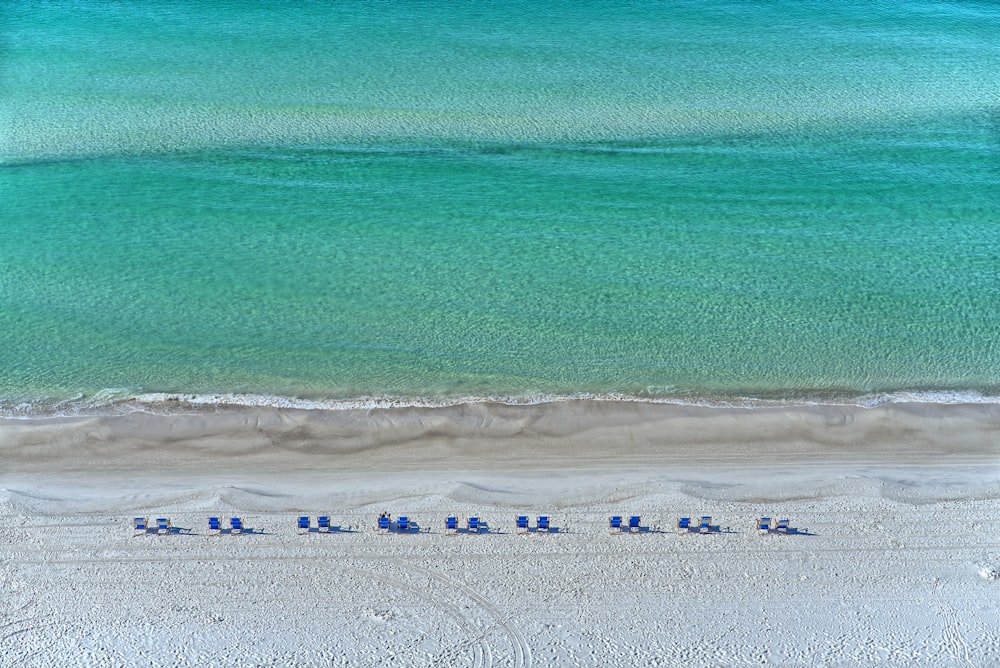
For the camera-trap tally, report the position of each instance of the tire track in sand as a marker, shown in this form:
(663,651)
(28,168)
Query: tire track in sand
(522,650)
(482,654)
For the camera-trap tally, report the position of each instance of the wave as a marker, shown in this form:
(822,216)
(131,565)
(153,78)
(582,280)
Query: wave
(124,402)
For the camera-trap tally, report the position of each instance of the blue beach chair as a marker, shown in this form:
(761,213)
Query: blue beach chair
(451,525)
(684,524)
(214,526)
(522,524)
(303,524)
(783,526)
(235,525)
(140,526)
(633,524)
(162,526)
(706,524)
(543,523)
(383,524)
(764,525)
(615,523)
(403,524)
(323,524)
(473,525)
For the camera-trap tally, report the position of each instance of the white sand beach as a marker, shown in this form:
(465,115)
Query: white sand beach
(893,558)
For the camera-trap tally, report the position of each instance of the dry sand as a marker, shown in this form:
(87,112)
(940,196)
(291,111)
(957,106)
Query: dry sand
(895,560)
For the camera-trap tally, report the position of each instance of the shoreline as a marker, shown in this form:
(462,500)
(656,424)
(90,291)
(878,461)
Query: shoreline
(121,402)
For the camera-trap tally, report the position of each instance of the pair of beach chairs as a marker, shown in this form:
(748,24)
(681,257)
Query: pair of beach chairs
(472,525)
(235,526)
(542,525)
(141,526)
(403,524)
(322,524)
(703,525)
(616,525)
(766,526)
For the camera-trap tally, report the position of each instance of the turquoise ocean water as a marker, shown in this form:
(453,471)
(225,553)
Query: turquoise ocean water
(693,201)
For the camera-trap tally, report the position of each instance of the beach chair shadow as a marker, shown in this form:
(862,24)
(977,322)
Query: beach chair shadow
(341,529)
(404,525)
(784,528)
(325,525)
(164,527)
(635,525)
(544,526)
(705,526)
(331,528)
(476,526)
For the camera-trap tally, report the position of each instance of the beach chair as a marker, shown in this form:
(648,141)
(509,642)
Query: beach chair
(522,524)
(383,524)
(235,525)
(783,526)
(323,524)
(140,526)
(162,526)
(684,524)
(473,525)
(451,525)
(214,526)
(303,524)
(764,525)
(615,524)
(543,523)
(403,524)
(705,526)
(633,524)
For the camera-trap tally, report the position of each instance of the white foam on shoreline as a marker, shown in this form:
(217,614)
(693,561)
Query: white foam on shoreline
(123,402)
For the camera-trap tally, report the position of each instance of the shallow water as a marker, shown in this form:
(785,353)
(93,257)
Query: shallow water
(781,201)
